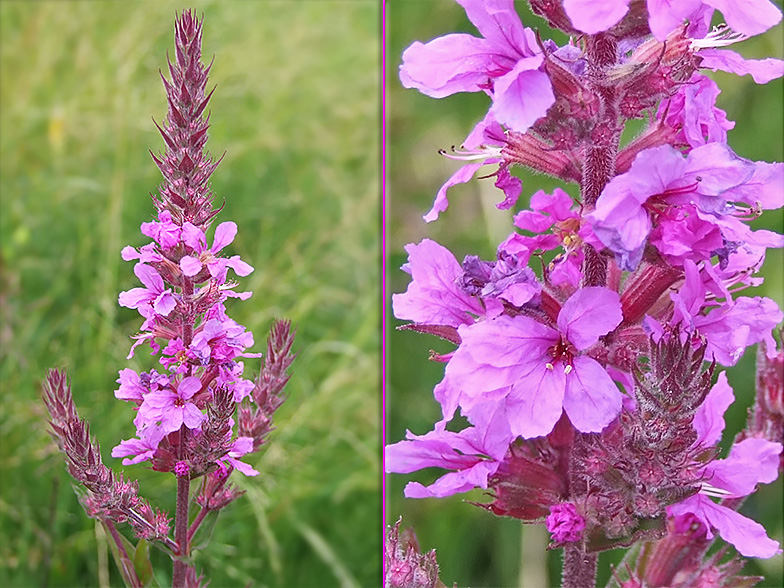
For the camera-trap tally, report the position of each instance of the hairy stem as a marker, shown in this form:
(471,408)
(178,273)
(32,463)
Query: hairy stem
(601,152)
(579,569)
(181,526)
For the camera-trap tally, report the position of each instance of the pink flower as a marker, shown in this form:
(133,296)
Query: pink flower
(505,64)
(194,238)
(472,455)
(556,223)
(483,146)
(729,327)
(662,187)
(593,17)
(142,448)
(692,109)
(536,370)
(152,299)
(434,296)
(750,462)
(750,17)
(167,409)
(241,446)
(164,231)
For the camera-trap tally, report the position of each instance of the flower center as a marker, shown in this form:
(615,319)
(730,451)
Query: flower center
(561,351)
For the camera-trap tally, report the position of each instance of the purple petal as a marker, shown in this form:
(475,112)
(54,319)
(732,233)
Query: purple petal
(750,462)
(765,188)
(594,17)
(454,482)
(523,95)
(447,65)
(190,265)
(149,277)
(193,237)
(240,267)
(164,303)
(589,314)
(134,297)
(128,253)
(592,400)
(666,15)
(224,235)
(537,402)
(709,419)
(750,17)
(513,342)
(188,387)
(192,417)
(461,176)
(499,23)
(714,169)
(762,71)
(433,296)
(242,467)
(130,386)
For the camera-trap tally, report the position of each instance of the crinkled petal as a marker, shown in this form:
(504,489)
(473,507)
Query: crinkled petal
(224,235)
(589,314)
(149,277)
(188,387)
(499,23)
(190,265)
(447,65)
(590,16)
(765,188)
(709,418)
(134,297)
(433,296)
(750,17)
(523,95)
(193,237)
(240,267)
(461,176)
(761,71)
(241,466)
(592,400)
(192,417)
(536,402)
(664,16)
(164,303)
(454,482)
(748,536)
(750,462)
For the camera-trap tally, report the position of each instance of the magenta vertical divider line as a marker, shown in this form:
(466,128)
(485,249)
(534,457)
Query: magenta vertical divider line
(383,270)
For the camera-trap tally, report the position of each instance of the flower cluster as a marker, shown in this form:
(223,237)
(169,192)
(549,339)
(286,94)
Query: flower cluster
(185,410)
(584,385)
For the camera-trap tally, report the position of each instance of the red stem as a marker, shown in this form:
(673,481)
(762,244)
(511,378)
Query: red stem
(181,527)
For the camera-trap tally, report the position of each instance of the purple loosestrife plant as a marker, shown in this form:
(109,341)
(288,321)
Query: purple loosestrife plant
(588,395)
(186,410)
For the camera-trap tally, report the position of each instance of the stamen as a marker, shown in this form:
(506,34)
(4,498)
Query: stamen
(471,154)
(720,36)
(708,490)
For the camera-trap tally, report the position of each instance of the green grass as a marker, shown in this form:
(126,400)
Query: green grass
(475,548)
(296,111)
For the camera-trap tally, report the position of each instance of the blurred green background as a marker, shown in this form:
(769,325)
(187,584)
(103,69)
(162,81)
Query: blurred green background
(297,112)
(474,547)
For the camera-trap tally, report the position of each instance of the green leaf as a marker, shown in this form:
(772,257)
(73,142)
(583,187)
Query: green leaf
(124,563)
(142,564)
(204,533)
